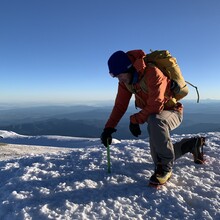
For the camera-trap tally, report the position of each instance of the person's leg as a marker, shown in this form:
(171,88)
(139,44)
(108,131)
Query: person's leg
(162,151)
(159,127)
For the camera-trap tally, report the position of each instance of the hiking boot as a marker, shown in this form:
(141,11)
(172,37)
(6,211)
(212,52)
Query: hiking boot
(160,176)
(195,146)
(197,149)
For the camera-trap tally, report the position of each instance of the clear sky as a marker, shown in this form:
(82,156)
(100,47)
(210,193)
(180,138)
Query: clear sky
(57,50)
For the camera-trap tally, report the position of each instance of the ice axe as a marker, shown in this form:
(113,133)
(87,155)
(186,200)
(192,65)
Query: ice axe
(108,157)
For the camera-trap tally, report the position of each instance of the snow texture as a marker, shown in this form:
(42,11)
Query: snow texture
(66,178)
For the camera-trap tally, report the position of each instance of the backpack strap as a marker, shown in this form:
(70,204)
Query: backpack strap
(197,91)
(143,87)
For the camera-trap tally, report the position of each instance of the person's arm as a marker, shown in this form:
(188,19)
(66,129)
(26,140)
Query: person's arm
(121,104)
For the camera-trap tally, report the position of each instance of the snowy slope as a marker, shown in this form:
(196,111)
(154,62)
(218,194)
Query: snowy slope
(66,178)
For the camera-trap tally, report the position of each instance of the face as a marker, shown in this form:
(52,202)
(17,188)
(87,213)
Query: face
(124,77)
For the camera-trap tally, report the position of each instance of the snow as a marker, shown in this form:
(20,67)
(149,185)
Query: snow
(67,178)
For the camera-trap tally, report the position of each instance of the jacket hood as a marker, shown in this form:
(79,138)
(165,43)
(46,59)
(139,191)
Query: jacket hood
(136,58)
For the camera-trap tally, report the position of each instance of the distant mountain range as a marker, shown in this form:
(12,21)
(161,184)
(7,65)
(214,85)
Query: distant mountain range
(88,121)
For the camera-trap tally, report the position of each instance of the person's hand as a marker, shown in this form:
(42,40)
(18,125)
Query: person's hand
(135,129)
(106,136)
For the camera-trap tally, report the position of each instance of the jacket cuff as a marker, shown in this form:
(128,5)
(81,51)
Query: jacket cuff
(133,119)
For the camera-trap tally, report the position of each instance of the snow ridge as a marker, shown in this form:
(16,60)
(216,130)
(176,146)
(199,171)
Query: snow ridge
(71,182)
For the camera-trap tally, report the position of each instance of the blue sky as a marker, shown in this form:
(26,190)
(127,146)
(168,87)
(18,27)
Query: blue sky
(56,51)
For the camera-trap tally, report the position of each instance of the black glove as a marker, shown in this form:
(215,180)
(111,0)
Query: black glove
(135,129)
(106,136)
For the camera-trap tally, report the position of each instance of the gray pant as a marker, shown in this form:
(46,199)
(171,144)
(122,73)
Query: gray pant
(159,127)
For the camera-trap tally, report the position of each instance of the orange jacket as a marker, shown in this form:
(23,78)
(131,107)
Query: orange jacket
(151,102)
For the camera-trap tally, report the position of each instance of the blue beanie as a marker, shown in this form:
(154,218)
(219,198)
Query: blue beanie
(118,63)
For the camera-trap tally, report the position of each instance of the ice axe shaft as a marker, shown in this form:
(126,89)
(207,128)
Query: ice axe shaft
(108,157)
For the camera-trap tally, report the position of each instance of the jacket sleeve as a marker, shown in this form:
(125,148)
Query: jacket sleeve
(156,84)
(121,104)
